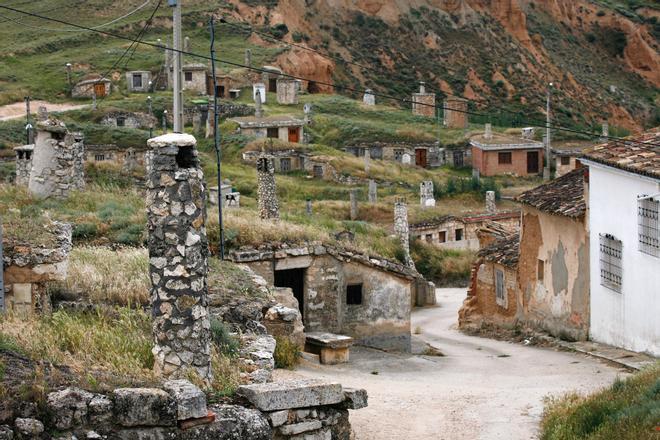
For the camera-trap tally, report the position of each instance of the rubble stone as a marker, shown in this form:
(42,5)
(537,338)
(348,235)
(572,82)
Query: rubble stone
(299,428)
(292,394)
(144,407)
(6,433)
(68,408)
(28,428)
(190,400)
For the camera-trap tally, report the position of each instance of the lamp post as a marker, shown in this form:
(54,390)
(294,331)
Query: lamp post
(548,153)
(151,124)
(68,76)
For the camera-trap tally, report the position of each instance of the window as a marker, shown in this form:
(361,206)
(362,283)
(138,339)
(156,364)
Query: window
(429,238)
(459,234)
(99,157)
(354,294)
(565,160)
(649,226)
(285,165)
(273,132)
(121,121)
(398,154)
(540,270)
(610,262)
(504,158)
(137,81)
(188,76)
(500,291)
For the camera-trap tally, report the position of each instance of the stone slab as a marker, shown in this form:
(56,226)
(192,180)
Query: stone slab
(190,400)
(292,394)
(298,428)
(144,407)
(330,340)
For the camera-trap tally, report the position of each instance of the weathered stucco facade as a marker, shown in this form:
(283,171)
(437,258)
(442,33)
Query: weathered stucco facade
(341,292)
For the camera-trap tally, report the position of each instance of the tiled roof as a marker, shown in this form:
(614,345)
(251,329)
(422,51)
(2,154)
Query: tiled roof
(504,251)
(637,158)
(562,196)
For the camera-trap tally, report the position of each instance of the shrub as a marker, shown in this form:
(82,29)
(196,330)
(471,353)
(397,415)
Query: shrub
(84,231)
(287,353)
(279,30)
(226,342)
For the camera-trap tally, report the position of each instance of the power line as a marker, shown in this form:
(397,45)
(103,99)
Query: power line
(352,89)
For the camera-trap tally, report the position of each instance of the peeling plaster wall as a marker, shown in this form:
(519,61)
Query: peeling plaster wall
(558,303)
(486,304)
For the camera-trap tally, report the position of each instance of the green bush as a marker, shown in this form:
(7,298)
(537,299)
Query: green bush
(227,343)
(84,231)
(287,353)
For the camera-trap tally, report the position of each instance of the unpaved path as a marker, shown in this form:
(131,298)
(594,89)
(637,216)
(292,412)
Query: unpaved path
(482,388)
(17,109)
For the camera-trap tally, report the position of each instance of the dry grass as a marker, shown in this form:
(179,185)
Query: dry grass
(106,276)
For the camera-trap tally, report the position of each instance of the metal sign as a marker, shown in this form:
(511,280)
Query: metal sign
(2,275)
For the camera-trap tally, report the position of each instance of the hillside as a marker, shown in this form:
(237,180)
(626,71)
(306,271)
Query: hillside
(603,55)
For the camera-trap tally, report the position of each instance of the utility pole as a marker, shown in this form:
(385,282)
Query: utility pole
(548,153)
(178,66)
(216,137)
(28,124)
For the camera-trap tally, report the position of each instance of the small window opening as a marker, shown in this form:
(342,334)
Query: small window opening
(540,270)
(121,121)
(185,158)
(99,157)
(188,76)
(459,234)
(565,160)
(354,294)
(137,80)
(273,132)
(504,158)
(429,238)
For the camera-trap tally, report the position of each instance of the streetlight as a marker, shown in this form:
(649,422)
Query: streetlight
(151,83)
(164,121)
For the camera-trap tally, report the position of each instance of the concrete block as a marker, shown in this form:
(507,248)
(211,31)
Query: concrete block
(292,394)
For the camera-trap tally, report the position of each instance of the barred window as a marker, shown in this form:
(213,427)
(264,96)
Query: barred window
(611,271)
(649,226)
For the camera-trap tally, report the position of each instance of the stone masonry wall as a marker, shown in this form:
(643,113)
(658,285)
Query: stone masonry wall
(266,191)
(178,252)
(23,165)
(402,230)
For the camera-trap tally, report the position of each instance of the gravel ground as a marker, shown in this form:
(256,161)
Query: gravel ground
(481,389)
(17,109)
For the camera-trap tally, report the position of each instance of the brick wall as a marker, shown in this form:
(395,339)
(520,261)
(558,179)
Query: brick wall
(488,164)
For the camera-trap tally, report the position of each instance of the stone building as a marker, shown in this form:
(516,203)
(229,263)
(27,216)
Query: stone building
(457,156)
(342,292)
(455,112)
(293,159)
(566,154)
(287,91)
(461,232)
(23,164)
(423,103)
(28,268)
(57,161)
(178,252)
(138,81)
(112,153)
(194,78)
(92,86)
(282,127)
(502,154)
(229,86)
(426,155)
(539,277)
(129,120)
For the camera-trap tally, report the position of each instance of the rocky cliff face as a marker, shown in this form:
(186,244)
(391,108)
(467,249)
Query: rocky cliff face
(605,62)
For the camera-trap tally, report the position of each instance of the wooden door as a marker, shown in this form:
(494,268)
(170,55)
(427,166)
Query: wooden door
(420,157)
(294,135)
(532,162)
(99,89)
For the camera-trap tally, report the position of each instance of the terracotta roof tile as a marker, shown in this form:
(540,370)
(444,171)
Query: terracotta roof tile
(562,196)
(504,251)
(637,158)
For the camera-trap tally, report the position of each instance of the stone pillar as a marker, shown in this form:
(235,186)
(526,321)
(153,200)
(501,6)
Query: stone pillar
(354,204)
(426,197)
(367,157)
(605,132)
(488,131)
(373,191)
(402,231)
(268,204)
(369,98)
(491,208)
(308,207)
(57,161)
(248,57)
(258,112)
(178,252)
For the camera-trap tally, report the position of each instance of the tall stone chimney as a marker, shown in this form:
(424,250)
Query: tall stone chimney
(402,231)
(605,133)
(248,57)
(422,87)
(491,207)
(354,204)
(258,111)
(488,131)
(426,196)
(367,159)
(269,207)
(373,191)
(369,98)
(178,253)
(308,207)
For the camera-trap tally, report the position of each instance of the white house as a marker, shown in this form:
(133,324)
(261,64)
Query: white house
(624,228)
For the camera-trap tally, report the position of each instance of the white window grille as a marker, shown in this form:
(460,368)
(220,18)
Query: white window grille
(99,157)
(648,211)
(611,269)
(500,290)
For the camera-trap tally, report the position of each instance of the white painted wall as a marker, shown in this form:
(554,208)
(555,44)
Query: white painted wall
(630,319)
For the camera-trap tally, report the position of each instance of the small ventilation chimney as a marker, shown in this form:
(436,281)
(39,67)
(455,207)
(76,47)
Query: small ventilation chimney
(488,132)
(422,87)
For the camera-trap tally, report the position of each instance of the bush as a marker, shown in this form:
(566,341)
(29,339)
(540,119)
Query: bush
(287,353)
(226,342)
(445,267)
(83,231)
(279,30)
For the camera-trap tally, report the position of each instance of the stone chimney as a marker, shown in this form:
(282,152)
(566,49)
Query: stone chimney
(367,159)
(248,57)
(488,131)
(605,133)
(402,231)
(354,203)
(268,204)
(42,113)
(426,196)
(369,98)
(23,164)
(57,160)
(491,207)
(186,44)
(422,87)
(373,191)
(258,111)
(178,253)
(308,207)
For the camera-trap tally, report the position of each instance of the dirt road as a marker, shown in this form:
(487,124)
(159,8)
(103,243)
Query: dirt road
(482,388)
(17,109)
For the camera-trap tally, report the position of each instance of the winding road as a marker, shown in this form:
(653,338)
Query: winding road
(481,389)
